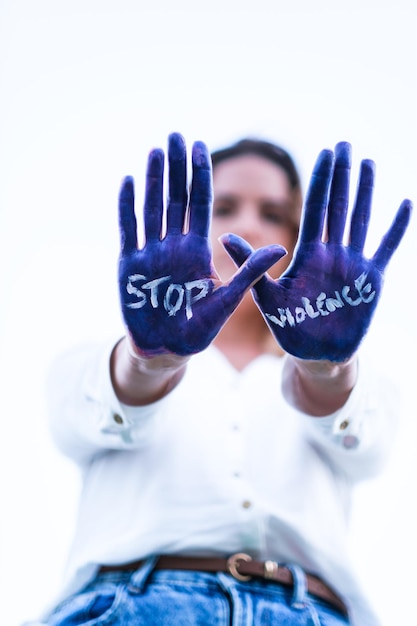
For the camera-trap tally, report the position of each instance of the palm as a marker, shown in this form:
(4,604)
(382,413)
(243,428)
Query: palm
(321,307)
(171,296)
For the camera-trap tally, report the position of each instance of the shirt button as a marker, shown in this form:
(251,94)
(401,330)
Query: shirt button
(344,425)
(246,504)
(118,418)
(350,442)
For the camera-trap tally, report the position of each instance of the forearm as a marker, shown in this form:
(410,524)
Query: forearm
(140,380)
(318,388)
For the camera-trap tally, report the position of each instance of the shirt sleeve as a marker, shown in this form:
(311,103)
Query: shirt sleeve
(85,416)
(358,438)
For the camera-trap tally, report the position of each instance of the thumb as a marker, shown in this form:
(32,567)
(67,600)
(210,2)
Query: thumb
(240,250)
(237,248)
(253,264)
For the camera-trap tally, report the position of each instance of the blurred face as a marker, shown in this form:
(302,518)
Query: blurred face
(253,199)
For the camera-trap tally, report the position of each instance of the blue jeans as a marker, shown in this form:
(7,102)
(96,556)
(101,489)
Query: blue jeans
(182,598)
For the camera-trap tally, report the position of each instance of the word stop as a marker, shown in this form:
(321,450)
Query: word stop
(171,296)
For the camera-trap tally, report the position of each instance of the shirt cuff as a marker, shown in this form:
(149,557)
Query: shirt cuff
(346,426)
(122,425)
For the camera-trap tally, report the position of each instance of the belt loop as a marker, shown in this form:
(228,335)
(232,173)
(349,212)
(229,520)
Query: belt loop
(299,596)
(140,576)
(300,599)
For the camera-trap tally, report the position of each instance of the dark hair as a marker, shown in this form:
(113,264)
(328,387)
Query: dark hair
(265,149)
(271,152)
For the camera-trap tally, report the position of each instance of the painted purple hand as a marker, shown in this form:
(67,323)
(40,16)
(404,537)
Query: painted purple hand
(322,306)
(171,296)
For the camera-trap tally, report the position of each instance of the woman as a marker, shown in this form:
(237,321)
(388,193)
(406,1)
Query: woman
(218,457)
(257,196)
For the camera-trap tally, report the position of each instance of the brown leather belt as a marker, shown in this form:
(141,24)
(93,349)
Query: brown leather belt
(242,567)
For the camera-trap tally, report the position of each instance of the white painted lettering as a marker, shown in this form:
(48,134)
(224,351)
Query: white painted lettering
(320,303)
(131,289)
(349,300)
(203,286)
(324,304)
(308,308)
(172,307)
(153,286)
(334,303)
(173,298)
(364,289)
(300,314)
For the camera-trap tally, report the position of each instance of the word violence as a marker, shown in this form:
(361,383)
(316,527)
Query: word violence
(324,305)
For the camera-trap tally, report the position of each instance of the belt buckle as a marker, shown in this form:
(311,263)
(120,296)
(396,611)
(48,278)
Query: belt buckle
(233,562)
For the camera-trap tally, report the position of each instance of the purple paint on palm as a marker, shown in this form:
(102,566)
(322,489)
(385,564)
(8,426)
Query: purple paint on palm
(171,296)
(321,307)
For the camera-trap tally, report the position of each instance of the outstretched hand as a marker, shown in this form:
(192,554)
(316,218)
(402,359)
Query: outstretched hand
(321,307)
(172,299)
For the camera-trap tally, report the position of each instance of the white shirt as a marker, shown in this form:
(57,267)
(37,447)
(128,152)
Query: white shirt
(221,465)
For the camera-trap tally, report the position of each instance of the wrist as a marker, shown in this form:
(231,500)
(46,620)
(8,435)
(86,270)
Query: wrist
(344,371)
(319,388)
(140,379)
(148,362)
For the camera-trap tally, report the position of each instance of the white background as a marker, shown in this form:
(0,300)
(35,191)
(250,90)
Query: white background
(87,88)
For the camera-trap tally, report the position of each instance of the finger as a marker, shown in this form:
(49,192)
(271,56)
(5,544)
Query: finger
(177,183)
(316,198)
(237,248)
(252,270)
(362,209)
(339,193)
(154,201)
(393,236)
(127,218)
(201,190)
